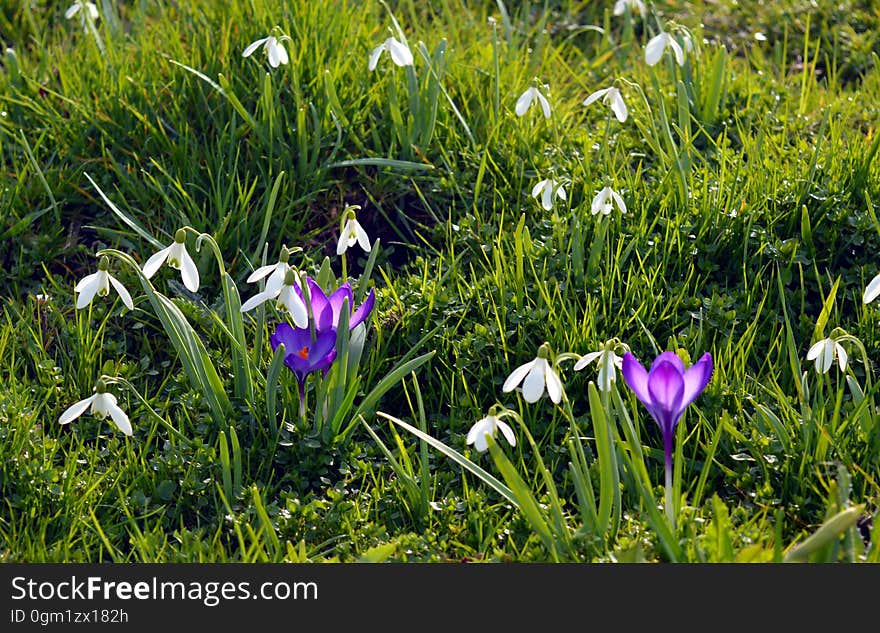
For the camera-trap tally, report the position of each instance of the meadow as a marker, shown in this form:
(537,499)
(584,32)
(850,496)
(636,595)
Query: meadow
(483,281)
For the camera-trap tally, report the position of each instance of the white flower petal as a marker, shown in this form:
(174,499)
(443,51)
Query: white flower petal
(827,356)
(253,46)
(620,203)
(525,101)
(342,244)
(517,376)
(618,106)
(478,432)
(533,385)
(282,53)
(152,265)
(72,10)
(506,431)
(85,281)
(545,105)
(676,49)
(536,190)
(655,47)
(188,271)
(815,349)
(841,356)
(88,288)
(93,10)
(295,306)
(872,290)
(126,298)
(256,300)
(547,197)
(272,50)
(363,239)
(596,95)
(586,359)
(554,384)
(261,272)
(374,56)
(74,411)
(120,419)
(400,53)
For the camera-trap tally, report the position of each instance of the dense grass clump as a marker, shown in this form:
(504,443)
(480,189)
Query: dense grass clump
(744,160)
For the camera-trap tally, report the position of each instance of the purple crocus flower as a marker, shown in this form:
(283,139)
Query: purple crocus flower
(326,310)
(302,353)
(666,391)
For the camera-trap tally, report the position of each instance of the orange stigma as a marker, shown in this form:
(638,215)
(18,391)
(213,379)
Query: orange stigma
(303,353)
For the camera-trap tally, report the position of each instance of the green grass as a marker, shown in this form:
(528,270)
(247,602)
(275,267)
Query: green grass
(750,179)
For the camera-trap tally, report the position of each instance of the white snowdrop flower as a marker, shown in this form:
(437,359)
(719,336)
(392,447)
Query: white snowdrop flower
(526,100)
(399,52)
(658,43)
(102,404)
(99,284)
(274,49)
(612,98)
(634,5)
(178,258)
(489,425)
(352,232)
(607,360)
(546,190)
(535,376)
(604,200)
(287,297)
(824,352)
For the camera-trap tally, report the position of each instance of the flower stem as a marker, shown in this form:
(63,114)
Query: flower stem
(670,509)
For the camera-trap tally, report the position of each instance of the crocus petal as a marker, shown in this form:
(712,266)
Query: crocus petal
(286,335)
(533,385)
(654,49)
(524,101)
(696,377)
(636,376)
(74,411)
(669,357)
(586,359)
(506,431)
(188,271)
(596,95)
(872,290)
(545,105)
(618,106)
(374,56)
(253,46)
(152,265)
(517,376)
(400,53)
(554,385)
(123,293)
(363,311)
(336,300)
(666,386)
(322,311)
